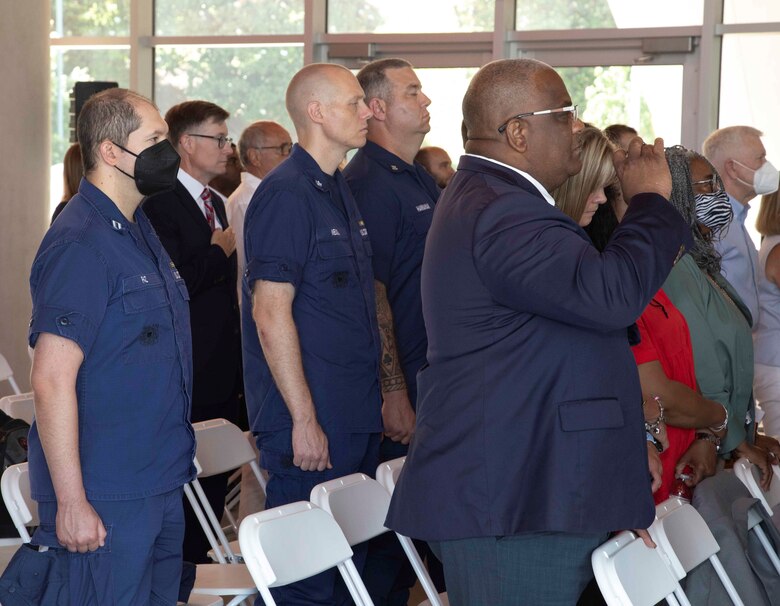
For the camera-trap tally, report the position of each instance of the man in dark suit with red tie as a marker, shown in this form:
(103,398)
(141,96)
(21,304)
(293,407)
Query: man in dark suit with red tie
(193,227)
(530,444)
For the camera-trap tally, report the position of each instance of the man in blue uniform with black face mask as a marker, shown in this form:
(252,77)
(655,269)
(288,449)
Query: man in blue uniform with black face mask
(112,445)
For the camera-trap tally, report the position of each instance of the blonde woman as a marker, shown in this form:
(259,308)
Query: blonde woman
(581,195)
(766,382)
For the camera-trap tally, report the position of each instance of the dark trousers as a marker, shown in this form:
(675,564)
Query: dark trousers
(349,453)
(140,563)
(543,569)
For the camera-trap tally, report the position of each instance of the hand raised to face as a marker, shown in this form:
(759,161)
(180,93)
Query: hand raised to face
(642,169)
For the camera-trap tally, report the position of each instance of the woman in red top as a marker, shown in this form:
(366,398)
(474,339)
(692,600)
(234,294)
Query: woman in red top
(674,408)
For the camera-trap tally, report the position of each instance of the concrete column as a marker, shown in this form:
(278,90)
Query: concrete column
(24,169)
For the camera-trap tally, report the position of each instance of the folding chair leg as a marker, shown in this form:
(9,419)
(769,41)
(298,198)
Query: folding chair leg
(768,547)
(672,601)
(265,593)
(681,597)
(419,569)
(360,596)
(724,578)
(204,524)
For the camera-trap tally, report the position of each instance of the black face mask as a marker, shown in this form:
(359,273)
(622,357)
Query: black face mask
(156,168)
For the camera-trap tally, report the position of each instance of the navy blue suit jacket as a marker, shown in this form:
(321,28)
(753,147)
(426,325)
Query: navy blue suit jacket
(529,414)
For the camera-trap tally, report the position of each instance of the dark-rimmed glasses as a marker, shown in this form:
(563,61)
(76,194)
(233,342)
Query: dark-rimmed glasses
(572,109)
(221,140)
(284,149)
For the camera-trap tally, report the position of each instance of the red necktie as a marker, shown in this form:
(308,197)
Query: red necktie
(206,197)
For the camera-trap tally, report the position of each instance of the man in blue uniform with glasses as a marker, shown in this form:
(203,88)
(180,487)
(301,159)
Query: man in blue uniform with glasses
(112,445)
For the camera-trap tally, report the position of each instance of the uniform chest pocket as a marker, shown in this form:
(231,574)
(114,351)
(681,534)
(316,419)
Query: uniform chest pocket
(336,273)
(143,293)
(147,327)
(422,222)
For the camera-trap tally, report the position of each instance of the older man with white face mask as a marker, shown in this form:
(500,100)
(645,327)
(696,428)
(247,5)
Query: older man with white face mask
(738,155)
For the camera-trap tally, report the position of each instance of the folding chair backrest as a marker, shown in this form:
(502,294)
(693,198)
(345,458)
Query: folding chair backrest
(15,488)
(221,447)
(20,406)
(629,573)
(358,503)
(683,535)
(6,374)
(290,543)
(387,473)
(750,476)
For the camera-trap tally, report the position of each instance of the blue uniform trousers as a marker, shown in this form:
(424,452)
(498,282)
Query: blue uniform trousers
(539,568)
(140,563)
(349,453)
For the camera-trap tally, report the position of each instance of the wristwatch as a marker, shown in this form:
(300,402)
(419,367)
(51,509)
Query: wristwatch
(701,435)
(651,438)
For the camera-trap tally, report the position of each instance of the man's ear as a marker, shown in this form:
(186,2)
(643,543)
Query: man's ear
(378,107)
(516,134)
(109,152)
(315,113)
(730,169)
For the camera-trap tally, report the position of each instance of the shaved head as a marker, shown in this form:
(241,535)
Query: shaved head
(315,82)
(498,91)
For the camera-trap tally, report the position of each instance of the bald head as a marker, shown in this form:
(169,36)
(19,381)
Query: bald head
(318,82)
(725,143)
(498,91)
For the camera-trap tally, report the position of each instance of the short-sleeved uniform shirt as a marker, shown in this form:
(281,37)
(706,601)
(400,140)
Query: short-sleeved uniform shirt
(303,227)
(665,338)
(396,200)
(108,285)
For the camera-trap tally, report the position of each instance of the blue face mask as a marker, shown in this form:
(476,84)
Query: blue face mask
(714,210)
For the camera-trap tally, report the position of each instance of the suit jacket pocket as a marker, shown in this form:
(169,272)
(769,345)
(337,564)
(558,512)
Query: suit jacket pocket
(596,413)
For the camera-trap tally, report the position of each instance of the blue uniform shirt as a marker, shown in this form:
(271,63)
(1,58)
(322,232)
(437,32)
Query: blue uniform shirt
(396,200)
(303,227)
(110,286)
(739,258)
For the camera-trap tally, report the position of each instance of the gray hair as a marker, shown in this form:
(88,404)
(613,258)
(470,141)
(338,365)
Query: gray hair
(720,144)
(682,198)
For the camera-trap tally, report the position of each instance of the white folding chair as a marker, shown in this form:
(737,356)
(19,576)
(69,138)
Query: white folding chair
(631,574)
(20,406)
(15,488)
(243,496)
(750,475)
(687,541)
(221,447)
(294,542)
(359,505)
(6,374)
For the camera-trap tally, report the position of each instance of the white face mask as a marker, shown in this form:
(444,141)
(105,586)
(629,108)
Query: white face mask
(765,178)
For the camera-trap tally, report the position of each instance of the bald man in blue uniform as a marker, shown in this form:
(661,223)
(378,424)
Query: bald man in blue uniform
(529,413)
(311,343)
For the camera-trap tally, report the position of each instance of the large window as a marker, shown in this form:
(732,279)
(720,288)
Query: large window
(249,82)
(648,64)
(584,14)
(647,97)
(227,17)
(410,16)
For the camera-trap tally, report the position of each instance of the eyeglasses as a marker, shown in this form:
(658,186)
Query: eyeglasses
(284,149)
(713,183)
(572,109)
(221,139)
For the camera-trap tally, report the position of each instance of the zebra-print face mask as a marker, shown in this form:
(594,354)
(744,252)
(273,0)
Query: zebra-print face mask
(714,210)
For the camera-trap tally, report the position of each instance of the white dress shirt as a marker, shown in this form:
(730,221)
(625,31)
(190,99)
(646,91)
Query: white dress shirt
(195,189)
(236,211)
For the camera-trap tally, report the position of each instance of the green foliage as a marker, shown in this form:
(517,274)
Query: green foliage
(563,14)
